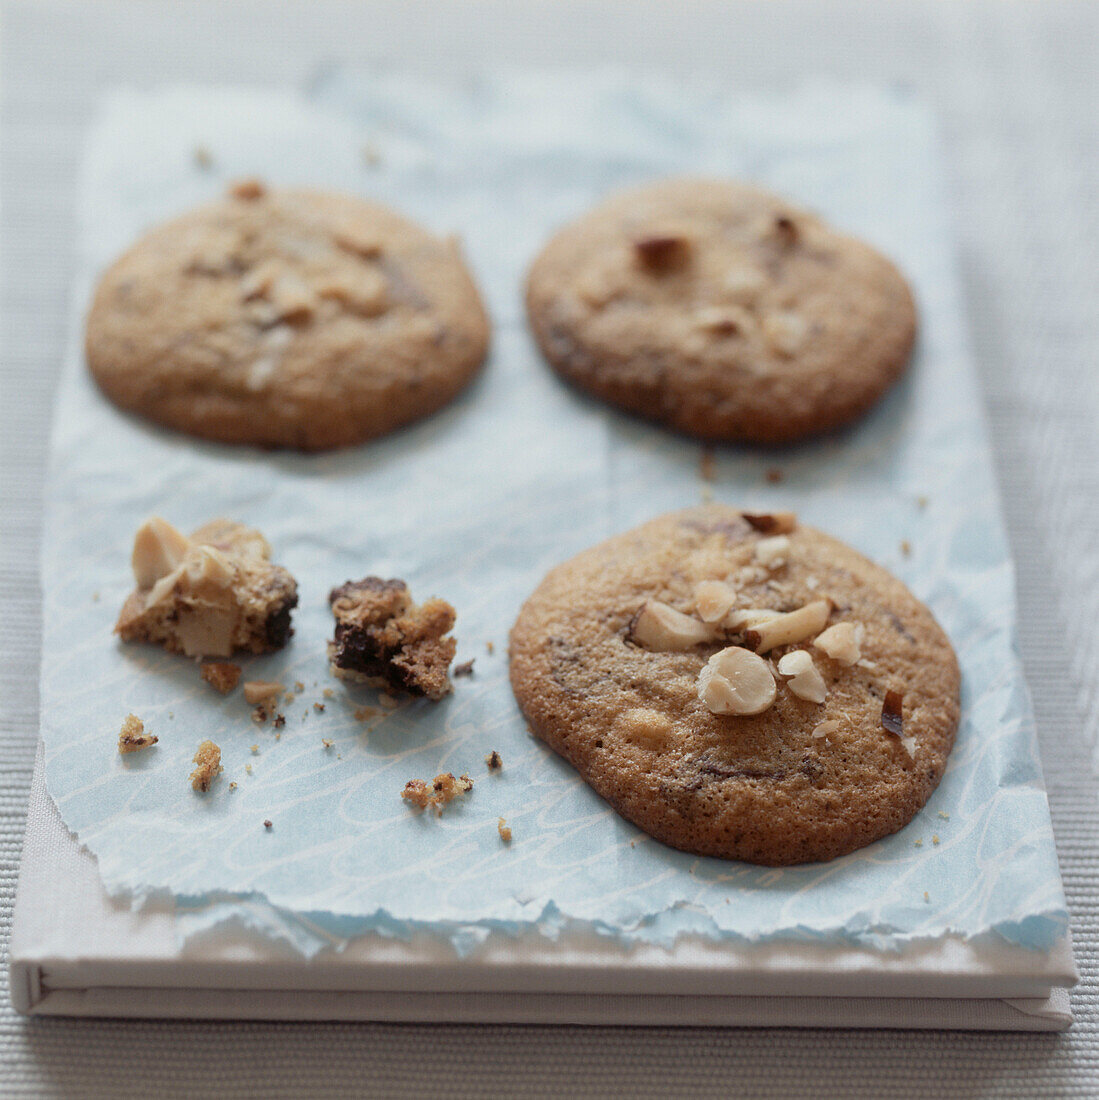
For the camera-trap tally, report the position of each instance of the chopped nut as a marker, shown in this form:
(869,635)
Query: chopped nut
(659,627)
(713,600)
(662,252)
(494,762)
(823,729)
(327,743)
(645,725)
(158,550)
(892,720)
(222,676)
(841,643)
(208,759)
(259,691)
(773,552)
(789,628)
(503,830)
(464,669)
(248,190)
(736,681)
(748,618)
(772,523)
(909,744)
(132,736)
(805,681)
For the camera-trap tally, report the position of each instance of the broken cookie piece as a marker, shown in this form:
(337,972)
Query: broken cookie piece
(443,788)
(133,737)
(208,595)
(222,676)
(208,759)
(389,641)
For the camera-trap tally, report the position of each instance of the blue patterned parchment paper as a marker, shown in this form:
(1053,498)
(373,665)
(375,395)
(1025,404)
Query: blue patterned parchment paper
(476,503)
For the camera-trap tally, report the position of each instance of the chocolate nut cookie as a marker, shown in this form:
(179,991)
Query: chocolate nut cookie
(722,311)
(208,595)
(740,686)
(286,319)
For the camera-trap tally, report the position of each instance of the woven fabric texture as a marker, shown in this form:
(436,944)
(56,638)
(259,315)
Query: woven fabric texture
(1014,87)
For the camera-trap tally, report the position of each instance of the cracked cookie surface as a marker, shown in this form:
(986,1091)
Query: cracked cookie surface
(286,318)
(722,311)
(802,780)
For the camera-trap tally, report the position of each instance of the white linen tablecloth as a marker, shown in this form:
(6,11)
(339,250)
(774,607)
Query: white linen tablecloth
(1014,85)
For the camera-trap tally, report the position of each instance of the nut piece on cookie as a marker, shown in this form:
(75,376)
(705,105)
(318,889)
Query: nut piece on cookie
(772,523)
(659,627)
(736,681)
(713,599)
(805,681)
(386,639)
(133,737)
(789,628)
(260,691)
(841,643)
(773,552)
(208,759)
(222,676)
(208,595)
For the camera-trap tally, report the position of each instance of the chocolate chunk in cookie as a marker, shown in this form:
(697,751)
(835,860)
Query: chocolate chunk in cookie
(385,638)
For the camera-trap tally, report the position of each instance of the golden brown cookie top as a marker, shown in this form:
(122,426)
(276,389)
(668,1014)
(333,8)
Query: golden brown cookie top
(286,318)
(639,662)
(721,310)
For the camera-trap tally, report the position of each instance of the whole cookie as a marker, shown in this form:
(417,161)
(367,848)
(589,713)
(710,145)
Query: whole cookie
(722,311)
(740,686)
(287,319)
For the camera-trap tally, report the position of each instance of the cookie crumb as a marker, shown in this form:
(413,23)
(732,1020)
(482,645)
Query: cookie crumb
(328,693)
(95,597)
(267,823)
(261,691)
(494,761)
(327,742)
(280,721)
(945,817)
(773,475)
(249,190)
(464,669)
(935,839)
(922,501)
(364,713)
(233,786)
(259,715)
(202,157)
(372,156)
(503,829)
(289,698)
(133,737)
(208,759)
(222,676)
(318,707)
(906,548)
(926,896)
(707,464)
(443,789)
(248,768)
(919,843)
(299,687)
(255,750)
(490,649)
